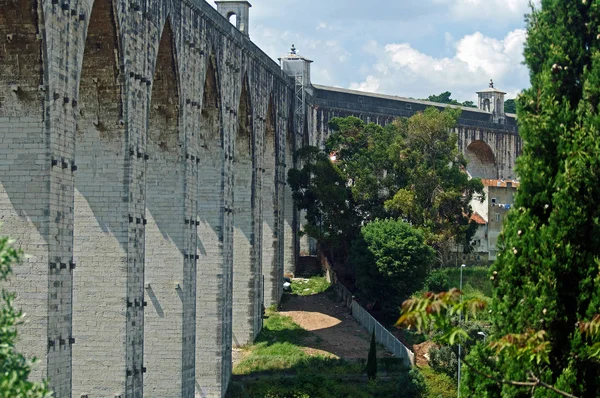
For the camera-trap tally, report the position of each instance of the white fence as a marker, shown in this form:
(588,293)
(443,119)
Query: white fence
(362,316)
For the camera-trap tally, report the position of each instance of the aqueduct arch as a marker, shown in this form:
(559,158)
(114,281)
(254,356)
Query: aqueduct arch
(481,160)
(100,239)
(247,283)
(271,264)
(168,309)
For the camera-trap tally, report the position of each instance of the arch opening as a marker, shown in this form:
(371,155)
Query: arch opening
(212,345)
(271,264)
(481,160)
(247,295)
(21,54)
(168,308)
(100,239)
(233,18)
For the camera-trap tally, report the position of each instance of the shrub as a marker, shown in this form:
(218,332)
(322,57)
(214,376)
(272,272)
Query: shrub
(437,281)
(411,384)
(444,360)
(391,261)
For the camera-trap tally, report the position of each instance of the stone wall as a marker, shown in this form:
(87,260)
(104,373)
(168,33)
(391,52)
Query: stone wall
(143,146)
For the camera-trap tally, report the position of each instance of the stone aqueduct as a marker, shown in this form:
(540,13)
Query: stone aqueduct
(144,146)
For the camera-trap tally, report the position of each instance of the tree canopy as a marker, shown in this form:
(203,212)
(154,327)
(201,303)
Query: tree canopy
(547,276)
(391,260)
(545,311)
(444,98)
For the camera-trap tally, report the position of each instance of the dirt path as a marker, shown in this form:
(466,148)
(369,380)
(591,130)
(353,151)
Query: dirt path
(334,329)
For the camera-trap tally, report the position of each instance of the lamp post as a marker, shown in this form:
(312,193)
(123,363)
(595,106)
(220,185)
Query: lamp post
(459,322)
(482,334)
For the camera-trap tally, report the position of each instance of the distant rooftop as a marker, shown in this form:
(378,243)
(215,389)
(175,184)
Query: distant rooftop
(499,183)
(477,218)
(398,98)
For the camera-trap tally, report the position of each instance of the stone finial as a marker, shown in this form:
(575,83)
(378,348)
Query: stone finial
(491,83)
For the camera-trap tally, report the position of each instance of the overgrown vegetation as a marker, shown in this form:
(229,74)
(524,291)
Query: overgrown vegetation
(309,286)
(14,368)
(444,98)
(439,385)
(546,280)
(390,260)
(410,170)
(278,365)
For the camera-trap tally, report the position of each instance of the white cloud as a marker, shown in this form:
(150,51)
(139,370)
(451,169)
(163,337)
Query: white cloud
(404,70)
(497,10)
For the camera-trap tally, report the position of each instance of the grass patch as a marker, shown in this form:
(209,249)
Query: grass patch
(276,348)
(475,279)
(439,385)
(310,286)
(312,386)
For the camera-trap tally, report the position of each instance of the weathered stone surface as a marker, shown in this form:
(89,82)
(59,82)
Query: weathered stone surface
(120,153)
(144,149)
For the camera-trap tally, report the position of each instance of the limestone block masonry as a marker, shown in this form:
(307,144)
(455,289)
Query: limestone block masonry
(144,152)
(125,177)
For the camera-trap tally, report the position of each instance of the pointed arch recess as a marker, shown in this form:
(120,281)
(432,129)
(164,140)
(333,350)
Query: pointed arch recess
(247,295)
(245,133)
(270,200)
(164,111)
(100,81)
(99,244)
(210,118)
(21,63)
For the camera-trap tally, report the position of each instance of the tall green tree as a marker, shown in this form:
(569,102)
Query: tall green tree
(391,260)
(410,169)
(547,276)
(436,192)
(510,106)
(372,358)
(320,189)
(14,368)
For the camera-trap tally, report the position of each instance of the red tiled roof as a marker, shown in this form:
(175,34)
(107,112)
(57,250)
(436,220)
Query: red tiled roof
(499,183)
(475,217)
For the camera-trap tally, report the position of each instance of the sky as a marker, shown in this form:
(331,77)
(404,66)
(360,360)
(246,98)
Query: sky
(409,48)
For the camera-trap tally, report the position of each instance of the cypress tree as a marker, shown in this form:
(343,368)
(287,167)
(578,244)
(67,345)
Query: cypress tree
(372,359)
(547,273)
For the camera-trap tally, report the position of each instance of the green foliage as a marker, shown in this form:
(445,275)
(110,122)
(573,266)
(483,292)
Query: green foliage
(437,281)
(14,368)
(444,359)
(547,276)
(411,384)
(510,106)
(439,385)
(436,193)
(390,261)
(319,188)
(444,98)
(410,169)
(372,358)
(310,286)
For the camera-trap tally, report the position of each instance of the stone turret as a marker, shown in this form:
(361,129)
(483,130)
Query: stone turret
(237,12)
(294,64)
(492,100)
